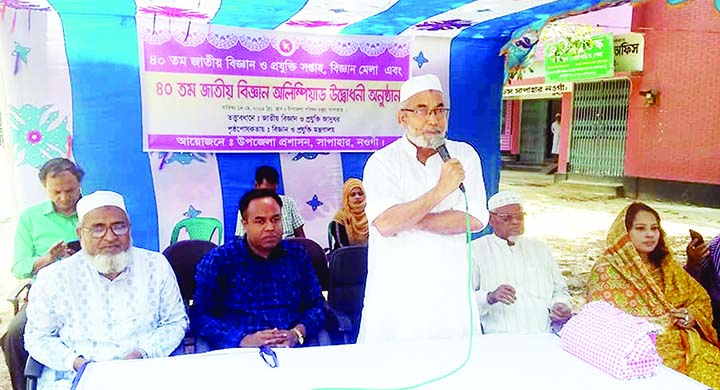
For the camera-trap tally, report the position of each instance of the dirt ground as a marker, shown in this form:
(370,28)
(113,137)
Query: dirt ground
(574,224)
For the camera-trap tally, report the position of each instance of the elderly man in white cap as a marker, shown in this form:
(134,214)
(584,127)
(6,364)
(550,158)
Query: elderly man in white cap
(417,262)
(108,301)
(518,284)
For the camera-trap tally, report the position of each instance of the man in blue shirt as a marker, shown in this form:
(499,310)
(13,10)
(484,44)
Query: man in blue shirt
(257,290)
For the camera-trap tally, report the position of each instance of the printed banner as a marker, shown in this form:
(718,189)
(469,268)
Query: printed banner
(240,90)
(593,61)
(536,91)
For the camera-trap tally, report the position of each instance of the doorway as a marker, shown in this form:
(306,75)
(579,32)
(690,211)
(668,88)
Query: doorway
(535,135)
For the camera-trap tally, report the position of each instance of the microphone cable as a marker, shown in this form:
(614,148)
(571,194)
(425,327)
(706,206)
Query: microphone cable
(471,302)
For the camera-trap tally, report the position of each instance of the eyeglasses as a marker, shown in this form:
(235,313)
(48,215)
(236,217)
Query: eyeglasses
(440,112)
(99,230)
(266,351)
(506,217)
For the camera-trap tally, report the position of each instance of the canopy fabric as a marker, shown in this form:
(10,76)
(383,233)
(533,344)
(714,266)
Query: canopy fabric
(71,81)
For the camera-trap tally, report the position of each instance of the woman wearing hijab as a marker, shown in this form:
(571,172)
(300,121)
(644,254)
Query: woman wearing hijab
(638,274)
(350,224)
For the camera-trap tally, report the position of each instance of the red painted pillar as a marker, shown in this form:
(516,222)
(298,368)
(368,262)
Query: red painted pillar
(515,134)
(507,130)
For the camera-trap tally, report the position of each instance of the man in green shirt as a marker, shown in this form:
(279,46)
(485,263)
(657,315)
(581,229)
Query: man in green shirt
(41,238)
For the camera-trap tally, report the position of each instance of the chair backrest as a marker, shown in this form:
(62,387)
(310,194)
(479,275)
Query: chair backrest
(183,257)
(348,273)
(331,240)
(198,228)
(319,260)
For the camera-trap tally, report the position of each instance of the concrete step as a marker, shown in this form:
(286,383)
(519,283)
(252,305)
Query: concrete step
(528,167)
(609,189)
(532,179)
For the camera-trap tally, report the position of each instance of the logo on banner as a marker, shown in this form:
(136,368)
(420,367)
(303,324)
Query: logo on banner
(286,47)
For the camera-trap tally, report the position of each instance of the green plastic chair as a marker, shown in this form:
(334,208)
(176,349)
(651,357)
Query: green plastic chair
(198,228)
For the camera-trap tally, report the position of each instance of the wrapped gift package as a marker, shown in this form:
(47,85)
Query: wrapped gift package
(612,340)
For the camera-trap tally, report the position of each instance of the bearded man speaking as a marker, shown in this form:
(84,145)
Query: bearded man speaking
(108,301)
(417,281)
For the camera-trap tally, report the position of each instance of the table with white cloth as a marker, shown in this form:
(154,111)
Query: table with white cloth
(496,362)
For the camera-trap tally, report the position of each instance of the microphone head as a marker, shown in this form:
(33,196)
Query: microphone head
(438,143)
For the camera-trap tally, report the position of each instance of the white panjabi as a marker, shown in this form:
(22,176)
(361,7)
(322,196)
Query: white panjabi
(530,268)
(75,311)
(417,282)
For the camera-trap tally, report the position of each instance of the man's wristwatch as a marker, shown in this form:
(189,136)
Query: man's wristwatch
(299,335)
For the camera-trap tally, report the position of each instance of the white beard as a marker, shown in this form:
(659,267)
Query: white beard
(419,141)
(110,264)
(512,240)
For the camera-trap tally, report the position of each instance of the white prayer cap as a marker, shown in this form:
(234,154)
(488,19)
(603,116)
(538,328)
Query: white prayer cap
(426,82)
(504,198)
(99,199)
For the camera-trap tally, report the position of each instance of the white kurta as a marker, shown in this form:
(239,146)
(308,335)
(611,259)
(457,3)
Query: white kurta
(418,282)
(75,311)
(530,268)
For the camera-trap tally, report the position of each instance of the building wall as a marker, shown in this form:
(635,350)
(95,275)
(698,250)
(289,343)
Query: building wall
(614,20)
(677,139)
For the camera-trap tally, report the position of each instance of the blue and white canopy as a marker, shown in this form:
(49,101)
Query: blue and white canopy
(72,88)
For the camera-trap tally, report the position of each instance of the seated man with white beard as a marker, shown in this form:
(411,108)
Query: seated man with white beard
(518,284)
(108,301)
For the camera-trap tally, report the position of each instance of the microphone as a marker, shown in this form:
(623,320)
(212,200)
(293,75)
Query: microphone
(439,145)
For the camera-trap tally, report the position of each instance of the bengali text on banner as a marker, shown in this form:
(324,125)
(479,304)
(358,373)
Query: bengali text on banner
(239,90)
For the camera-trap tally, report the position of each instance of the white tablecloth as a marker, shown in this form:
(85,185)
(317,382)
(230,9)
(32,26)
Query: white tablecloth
(496,362)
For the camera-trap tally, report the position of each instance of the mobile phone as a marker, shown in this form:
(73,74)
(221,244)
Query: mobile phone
(73,246)
(696,236)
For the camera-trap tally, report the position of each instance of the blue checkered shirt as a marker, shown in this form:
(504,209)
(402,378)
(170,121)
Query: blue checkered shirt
(239,293)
